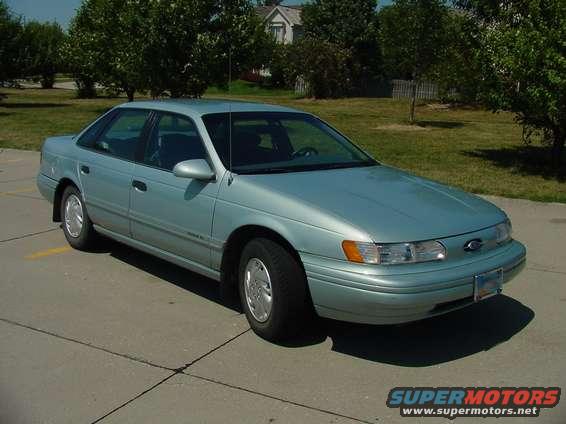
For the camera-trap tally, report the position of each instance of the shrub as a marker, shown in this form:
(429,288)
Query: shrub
(281,67)
(323,65)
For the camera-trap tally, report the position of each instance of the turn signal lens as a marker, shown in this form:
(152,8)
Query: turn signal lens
(361,252)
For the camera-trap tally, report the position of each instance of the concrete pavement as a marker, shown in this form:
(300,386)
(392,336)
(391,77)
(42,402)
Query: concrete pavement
(117,336)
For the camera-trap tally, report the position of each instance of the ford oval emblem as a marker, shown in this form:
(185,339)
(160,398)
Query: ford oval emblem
(473,245)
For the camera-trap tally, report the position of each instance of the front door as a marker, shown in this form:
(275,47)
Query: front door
(170,213)
(106,167)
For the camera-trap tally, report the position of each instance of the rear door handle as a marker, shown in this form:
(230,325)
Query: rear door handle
(85,169)
(138,185)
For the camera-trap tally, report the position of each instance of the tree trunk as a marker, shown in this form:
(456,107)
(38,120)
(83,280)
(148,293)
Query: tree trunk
(558,149)
(413,101)
(47,80)
(130,93)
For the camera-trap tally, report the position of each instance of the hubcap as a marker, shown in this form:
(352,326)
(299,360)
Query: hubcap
(73,216)
(257,286)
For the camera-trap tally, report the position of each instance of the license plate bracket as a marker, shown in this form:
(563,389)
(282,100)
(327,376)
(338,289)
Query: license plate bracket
(488,284)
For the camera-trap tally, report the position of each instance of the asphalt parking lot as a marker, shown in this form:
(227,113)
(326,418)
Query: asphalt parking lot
(116,336)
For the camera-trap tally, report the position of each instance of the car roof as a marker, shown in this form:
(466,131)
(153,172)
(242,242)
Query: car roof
(203,107)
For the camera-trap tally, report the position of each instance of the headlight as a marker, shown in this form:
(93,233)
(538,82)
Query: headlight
(503,232)
(393,253)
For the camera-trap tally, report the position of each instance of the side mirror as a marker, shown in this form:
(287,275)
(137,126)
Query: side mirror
(197,169)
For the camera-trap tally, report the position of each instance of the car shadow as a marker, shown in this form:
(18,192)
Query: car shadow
(180,277)
(433,341)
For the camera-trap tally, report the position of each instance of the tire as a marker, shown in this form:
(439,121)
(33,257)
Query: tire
(290,307)
(81,237)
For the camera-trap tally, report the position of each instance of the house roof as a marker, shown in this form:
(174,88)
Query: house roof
(264,11)
(290,13)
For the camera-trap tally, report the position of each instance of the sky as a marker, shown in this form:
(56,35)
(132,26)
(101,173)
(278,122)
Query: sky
(60,11)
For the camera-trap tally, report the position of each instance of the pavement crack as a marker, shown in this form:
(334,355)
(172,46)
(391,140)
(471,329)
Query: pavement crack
(211,351)
(28,235)
(546,270)
(290,402)
(139,395)
(90,345)
(176,371)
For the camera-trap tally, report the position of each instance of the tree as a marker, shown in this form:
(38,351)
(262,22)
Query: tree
(82,52)
(459,67)
(412,36)
(43,43)
(524,64)
(193,44)
(179,47)
(324,65)
(350,25)
(10,45)
(270,2)
(107,42)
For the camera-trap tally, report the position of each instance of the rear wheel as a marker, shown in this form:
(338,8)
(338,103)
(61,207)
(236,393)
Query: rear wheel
(76,224)
(273,290)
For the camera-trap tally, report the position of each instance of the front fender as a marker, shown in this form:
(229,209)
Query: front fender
(229,217)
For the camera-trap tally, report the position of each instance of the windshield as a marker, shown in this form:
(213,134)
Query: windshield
(270,142)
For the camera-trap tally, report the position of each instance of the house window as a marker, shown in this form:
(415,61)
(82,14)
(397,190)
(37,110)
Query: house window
(278,31)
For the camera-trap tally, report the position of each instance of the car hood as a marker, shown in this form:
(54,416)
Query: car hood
(387,204)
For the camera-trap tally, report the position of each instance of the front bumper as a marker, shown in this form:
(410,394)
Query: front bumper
(358,293)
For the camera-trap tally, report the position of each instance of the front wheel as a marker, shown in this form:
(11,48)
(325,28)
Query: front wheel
(76,224)
(273,290)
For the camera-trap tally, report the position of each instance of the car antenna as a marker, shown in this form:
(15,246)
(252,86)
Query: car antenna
(230,177)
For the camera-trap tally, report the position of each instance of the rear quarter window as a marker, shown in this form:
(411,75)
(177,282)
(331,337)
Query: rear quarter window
(89,137)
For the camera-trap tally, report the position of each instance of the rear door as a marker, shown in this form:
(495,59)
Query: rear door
(106,167)
(170,213)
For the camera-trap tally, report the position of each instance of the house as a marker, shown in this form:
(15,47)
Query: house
(284,22)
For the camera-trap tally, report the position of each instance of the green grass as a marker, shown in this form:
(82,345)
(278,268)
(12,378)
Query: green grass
(473,149)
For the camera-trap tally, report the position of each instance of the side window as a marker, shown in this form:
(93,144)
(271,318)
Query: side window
(173,140)
(89,136)
(122,137)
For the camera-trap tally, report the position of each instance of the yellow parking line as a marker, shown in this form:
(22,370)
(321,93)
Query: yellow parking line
(49,252)
(23,190)
(10,161)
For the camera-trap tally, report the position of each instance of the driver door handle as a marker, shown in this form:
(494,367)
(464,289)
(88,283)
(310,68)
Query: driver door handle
(138,185)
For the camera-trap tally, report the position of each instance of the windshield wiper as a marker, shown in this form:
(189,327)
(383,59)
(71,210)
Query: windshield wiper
(347,165)
(306,167)
(273,170)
